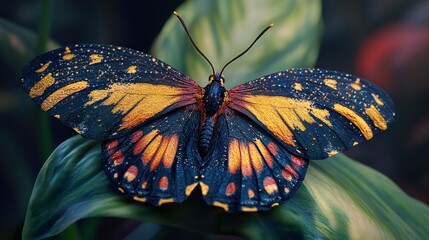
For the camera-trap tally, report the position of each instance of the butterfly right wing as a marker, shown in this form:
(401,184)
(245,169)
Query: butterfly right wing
(158,162)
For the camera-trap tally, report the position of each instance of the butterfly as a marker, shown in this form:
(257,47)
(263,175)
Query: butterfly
(247,148)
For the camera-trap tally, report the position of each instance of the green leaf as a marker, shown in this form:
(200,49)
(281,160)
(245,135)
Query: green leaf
(18,45)
(340,198)
(222,29)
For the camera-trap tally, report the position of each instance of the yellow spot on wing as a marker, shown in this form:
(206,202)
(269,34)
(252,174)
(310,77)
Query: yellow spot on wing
(165,200)
(249,209)
(190,188)
(68,55)
(62,93)
(121,190)
(222,205)
(332,153)
(132,69)
(204,188)
(376,117)
(44,67)
(298,86)
(140,199)
(356,85)
(377,99)
(138,101)
(283,114)
(357,120)
(331,83)
(95,58)
(40,87)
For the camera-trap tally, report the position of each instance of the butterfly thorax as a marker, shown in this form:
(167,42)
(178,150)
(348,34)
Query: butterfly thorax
(214,94)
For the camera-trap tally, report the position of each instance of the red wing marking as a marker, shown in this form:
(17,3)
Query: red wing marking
(118,158)
(163,183)
(136,136)
(111,145)
(270,185)
(230,189)
(131,173)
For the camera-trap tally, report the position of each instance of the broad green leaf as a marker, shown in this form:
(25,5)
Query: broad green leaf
(222,29)
(340,198)
(18,45)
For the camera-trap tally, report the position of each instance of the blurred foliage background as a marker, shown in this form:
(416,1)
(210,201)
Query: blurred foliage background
(386,42)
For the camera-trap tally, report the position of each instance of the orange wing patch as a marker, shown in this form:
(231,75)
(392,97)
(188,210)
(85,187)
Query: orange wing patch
(95,58)
(281,115)
(250,156)
(156,148)
(137,101)
(40,87)
(357,120)
(62,93)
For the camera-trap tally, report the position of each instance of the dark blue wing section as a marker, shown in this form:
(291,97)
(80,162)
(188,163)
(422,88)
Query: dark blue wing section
(158,162)
(314,113)
(105,91)
(247,169)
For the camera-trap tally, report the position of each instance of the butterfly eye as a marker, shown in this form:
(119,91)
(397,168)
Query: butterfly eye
(222,81)
(211,78)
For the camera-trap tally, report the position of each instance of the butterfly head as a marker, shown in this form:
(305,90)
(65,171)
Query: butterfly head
(217,78)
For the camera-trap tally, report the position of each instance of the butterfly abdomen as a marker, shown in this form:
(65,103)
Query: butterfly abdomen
(205,136)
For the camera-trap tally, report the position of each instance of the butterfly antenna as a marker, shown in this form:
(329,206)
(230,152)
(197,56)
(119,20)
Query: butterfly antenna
(254,41)
(192,41)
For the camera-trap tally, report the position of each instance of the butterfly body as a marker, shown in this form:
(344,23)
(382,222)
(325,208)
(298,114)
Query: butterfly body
(247,148)
(213,99)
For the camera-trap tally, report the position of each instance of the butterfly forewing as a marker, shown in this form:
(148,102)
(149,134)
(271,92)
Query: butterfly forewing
(105,91)
(314,113)
(248,169)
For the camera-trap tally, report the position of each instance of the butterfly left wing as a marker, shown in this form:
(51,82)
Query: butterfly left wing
(246,168)
(158,162)
(105,91)
(314,113)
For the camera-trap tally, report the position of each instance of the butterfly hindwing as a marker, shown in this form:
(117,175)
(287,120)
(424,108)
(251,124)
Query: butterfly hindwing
(158,162)
(314,113)
(247,169)
(105,91)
